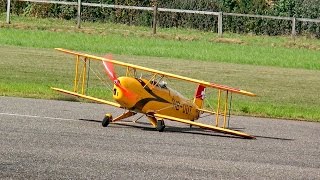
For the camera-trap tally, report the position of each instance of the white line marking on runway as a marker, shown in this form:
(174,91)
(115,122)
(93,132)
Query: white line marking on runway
(32,116)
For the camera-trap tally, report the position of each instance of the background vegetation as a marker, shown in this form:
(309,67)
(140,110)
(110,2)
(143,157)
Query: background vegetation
(289,8)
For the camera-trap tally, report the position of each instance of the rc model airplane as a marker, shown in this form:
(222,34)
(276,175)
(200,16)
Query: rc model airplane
(152,97)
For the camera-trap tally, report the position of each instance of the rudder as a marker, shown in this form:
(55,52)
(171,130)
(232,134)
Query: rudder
(199,96)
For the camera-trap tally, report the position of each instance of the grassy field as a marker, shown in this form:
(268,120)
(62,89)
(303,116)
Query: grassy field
(172,43)
(283,72)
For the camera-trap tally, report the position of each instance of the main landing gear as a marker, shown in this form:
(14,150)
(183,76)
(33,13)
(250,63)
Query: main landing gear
(106,120)
(158,124)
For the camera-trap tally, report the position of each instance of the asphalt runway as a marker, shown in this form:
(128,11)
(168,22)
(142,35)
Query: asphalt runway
(46,139)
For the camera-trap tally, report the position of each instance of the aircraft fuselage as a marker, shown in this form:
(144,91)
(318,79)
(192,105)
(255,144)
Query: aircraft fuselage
(152,97)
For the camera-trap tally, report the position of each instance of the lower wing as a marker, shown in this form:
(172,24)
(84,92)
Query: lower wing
(205,126)
(87,97)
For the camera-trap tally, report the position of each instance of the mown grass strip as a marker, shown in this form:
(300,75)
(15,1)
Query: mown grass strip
(282,92)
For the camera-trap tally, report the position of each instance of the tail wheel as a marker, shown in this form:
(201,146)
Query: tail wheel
(190,124)
(106,120)
(160,125)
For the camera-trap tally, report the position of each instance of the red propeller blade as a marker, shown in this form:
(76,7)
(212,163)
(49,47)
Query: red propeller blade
(109,68)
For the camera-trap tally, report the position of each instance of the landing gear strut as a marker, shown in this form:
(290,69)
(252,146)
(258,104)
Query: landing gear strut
(106,120)
(160,125)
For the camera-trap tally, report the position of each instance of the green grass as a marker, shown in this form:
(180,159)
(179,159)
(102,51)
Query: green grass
(284,73)
(193,50)
(182,44)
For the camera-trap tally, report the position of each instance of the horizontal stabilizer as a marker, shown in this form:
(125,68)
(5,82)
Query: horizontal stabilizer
(206,111)
(205,126)
(87,97)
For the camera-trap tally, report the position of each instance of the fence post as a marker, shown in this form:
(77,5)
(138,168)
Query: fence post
(293,31)
(154,23)
(79,14)
(220,24)
(8,11)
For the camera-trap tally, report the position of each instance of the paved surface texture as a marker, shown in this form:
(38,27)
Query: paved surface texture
(42,139)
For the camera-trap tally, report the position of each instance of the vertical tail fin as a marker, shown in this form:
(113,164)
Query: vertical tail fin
(199,96)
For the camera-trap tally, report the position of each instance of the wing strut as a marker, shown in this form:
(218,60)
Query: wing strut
(222,108)
(81,78)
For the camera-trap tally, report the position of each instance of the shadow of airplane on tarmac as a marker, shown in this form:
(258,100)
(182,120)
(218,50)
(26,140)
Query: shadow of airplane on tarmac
(187,130)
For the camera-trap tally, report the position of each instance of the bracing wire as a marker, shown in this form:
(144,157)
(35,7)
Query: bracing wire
(99,76)
(87,88)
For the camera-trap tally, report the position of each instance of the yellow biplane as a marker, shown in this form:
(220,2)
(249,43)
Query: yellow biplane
(152,97)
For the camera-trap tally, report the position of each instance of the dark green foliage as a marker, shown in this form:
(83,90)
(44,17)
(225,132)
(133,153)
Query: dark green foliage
(202,22)
(3,5)
(287,8)
(309,9)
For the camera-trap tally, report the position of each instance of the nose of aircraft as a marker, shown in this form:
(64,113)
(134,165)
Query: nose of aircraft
(123,92)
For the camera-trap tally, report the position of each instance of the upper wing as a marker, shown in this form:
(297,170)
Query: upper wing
(87,97)
(205,126)
(204,83)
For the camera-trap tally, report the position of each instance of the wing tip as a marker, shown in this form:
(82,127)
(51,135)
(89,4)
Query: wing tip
(59,49)
(247,93)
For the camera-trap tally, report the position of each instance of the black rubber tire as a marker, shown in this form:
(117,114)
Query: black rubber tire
(106,121)
(160,125)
